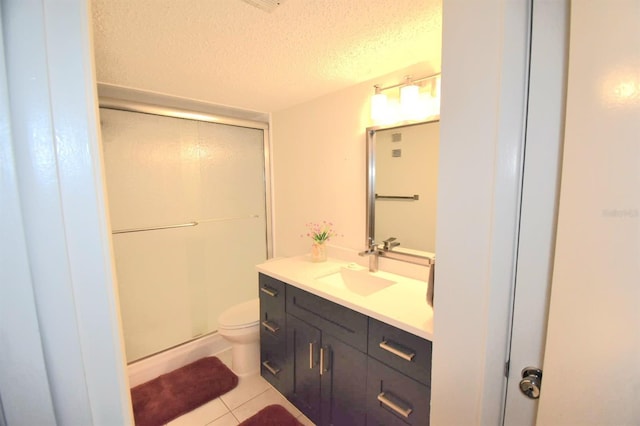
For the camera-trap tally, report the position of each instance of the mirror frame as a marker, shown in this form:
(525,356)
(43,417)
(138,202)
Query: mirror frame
(371,199)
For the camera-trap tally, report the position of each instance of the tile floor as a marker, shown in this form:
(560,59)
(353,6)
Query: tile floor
(251,395)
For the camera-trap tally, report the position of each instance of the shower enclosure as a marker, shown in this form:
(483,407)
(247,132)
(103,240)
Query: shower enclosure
(189,217)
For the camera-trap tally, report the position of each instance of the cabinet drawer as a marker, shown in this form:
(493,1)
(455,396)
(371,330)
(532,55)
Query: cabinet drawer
(343,323)
(275,369)
(272,292)
(395,399)
(403,351)
(272,305)
(274,344)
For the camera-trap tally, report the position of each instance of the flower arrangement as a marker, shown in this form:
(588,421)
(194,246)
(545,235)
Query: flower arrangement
(320,232)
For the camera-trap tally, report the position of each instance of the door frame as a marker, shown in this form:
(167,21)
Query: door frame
(52,111)
(539,201)
(484,96)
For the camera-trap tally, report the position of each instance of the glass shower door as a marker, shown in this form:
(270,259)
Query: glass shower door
(188,211)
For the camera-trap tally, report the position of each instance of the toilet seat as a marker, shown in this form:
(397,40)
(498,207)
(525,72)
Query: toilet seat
(243,315)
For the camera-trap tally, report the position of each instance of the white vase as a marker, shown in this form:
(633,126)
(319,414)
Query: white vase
(318,252)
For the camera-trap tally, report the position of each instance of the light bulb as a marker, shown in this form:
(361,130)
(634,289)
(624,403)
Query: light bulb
(410,100)
(378,106)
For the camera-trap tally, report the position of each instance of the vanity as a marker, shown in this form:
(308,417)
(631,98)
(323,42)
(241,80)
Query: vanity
(350,345)
(346,346)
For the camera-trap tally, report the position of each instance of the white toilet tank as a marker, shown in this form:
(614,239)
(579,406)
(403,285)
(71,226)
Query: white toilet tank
(243,315)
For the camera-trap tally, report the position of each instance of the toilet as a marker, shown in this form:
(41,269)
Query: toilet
(239,325)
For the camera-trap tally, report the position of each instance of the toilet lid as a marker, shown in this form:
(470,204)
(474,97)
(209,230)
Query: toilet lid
(244,314)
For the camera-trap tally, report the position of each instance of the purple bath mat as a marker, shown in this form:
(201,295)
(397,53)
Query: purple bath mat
(171,395)
(272,415)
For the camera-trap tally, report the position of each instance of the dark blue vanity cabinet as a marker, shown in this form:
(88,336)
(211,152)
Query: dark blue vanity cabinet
(327,343)
(391,396)
(338,366)
(275,366)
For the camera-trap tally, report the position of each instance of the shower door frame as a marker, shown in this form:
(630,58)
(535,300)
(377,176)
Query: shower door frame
(189,114)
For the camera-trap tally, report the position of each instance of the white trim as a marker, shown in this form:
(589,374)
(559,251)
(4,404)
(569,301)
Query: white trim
(187,114)
(164,362)
(59,176)
(484,74)
(107,90)
(25,397)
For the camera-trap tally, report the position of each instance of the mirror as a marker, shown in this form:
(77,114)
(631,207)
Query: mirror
(402,176)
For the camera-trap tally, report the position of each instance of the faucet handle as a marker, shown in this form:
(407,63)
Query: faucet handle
(389,243)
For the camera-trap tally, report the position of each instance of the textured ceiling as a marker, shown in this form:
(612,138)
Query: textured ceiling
(230,53)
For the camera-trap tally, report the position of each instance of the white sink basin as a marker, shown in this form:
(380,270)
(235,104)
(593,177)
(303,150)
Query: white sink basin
(359,281)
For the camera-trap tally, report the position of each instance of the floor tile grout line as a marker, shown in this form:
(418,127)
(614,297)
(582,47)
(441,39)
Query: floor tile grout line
(250,399)
(225,404)
(235,417)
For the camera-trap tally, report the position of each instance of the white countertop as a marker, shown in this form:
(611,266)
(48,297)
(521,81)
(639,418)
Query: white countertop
(402,305)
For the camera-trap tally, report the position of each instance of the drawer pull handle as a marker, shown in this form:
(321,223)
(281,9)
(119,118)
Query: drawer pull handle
(404,412)
(271,292)
(397,350)
(272,370)
(323,364)
(271,326)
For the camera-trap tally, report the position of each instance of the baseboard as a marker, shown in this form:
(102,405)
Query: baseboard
(164,362)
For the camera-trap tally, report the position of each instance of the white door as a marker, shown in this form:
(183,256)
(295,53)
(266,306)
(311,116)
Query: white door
(591,359)
(590,366)
(540,185)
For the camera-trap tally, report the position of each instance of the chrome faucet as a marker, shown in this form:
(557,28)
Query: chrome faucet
(373,252)
(390,243)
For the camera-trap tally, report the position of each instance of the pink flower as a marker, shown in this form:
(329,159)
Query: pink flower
(321,233)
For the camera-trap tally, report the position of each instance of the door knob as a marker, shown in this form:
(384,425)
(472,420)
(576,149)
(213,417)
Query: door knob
(531,382)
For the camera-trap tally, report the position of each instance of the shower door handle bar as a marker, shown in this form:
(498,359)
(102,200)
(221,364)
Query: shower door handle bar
(398,197)
(154,228)
(183,225)
(224,219)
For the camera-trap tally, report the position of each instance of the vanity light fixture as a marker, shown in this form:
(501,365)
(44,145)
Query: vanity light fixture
(378,105)
(410,99)
(417,99)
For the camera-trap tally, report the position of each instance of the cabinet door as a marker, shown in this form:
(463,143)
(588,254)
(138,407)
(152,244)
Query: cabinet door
(303,346)
(394,399)
(343,379)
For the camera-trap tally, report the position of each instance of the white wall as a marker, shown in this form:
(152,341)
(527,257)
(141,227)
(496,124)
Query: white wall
(319,163)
